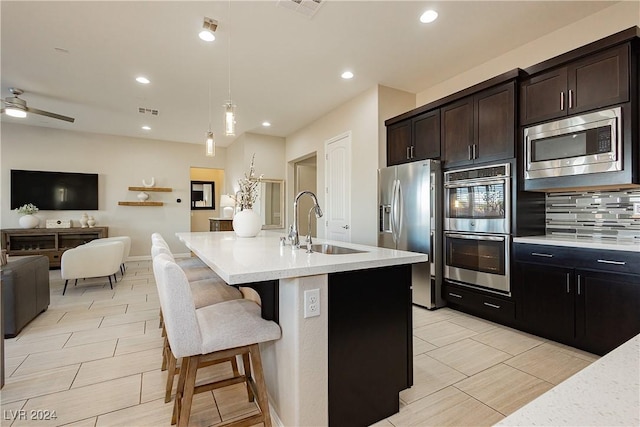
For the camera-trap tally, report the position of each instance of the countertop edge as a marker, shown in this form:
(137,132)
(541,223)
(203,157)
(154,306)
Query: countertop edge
(575,243)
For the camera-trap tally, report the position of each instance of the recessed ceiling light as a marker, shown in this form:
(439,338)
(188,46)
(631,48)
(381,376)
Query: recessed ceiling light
(429,16)
(143,80)
(208,28)
(347,75)
(206,35)
(146,127)
(266,124)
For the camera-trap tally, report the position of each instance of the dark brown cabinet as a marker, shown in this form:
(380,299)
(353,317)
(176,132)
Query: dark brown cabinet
(479,128)
(596,81)
(585,298)
(414,139)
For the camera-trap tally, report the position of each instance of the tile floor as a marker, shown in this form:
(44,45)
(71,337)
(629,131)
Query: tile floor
(94,359)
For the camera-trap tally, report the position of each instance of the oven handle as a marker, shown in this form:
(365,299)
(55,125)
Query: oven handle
(474,182)
(475,237)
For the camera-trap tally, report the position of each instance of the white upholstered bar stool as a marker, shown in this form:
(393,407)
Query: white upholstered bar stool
(185,263)
(204,292)
(212,333)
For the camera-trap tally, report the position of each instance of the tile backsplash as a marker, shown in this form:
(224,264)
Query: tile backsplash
(594,214)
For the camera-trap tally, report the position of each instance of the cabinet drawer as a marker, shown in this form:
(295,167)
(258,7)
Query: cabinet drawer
(593,259)
(480,304)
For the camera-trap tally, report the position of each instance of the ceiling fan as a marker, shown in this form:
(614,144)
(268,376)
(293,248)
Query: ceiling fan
(17,107)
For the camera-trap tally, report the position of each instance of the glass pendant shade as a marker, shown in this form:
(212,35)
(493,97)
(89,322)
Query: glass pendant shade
(229,119)
(210,145)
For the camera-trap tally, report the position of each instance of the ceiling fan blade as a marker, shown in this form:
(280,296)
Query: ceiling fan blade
(52,115)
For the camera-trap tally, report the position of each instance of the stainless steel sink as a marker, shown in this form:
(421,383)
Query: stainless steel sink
(325,248)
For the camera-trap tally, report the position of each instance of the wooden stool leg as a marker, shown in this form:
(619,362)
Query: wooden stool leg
(179,390)
(171,373)
(263,400)
(247,373)
(234,366)
(165,354)
(189,388)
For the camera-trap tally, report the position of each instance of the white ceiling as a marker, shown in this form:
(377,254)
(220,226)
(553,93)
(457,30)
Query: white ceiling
(285,67)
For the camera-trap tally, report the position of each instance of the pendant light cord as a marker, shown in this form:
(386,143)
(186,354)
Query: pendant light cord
(229,52)
(209,105)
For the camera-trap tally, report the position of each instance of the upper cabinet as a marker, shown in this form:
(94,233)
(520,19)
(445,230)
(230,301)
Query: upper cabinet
(593,82)
(480,127)
(414,139)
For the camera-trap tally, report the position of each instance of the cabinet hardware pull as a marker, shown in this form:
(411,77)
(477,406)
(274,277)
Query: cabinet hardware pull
(606,261)
(561,101)
(568,286)
(408,153)
(455,295)
(570,99)
(475,155)
(469,152)
(412,151)
(541,254)
(579,280)
(491,305)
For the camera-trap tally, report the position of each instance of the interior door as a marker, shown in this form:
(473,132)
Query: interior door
(338,179)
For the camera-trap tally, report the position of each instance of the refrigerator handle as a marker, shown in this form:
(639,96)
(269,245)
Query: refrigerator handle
(392,214)
(399,203)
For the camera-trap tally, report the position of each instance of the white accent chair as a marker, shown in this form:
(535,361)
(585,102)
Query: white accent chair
(126,240)
(210,334)
(86,261)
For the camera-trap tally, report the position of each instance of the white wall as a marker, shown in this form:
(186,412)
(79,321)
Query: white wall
(362,116)
(120,162)
(611,20)
(269,160)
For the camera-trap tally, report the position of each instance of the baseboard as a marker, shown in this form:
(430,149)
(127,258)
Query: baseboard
(275,419)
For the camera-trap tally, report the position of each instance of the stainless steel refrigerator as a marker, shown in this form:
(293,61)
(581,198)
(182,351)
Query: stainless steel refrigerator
(410,218)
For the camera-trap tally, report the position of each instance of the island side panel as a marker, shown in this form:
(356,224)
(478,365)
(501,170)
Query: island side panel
(370,344)
(295,366)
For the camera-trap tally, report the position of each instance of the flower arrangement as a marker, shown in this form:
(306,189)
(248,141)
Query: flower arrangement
(248,193)
(28,209)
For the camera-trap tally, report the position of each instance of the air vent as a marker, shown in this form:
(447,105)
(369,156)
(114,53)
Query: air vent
(307,8)
(150,111)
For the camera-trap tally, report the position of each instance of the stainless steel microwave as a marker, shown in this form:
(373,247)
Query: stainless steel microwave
(588,143)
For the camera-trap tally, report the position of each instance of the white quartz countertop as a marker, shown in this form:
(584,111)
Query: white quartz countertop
(241,260)
(605,393)
(579,243)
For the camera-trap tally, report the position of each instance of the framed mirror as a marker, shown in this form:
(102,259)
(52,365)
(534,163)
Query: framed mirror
(270,203)
(203,195)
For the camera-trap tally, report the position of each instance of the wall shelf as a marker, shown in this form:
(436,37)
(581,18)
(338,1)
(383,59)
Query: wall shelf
(147,189)
(158,189)
(140,203)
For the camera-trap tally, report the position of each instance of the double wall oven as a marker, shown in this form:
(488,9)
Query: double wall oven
(477,227)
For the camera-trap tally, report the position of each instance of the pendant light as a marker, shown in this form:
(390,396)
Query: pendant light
(210,142)
(229,107)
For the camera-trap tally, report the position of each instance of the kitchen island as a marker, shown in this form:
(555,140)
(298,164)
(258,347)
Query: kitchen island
(346,363)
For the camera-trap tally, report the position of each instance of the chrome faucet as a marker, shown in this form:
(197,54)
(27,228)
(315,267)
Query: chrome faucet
(293,228)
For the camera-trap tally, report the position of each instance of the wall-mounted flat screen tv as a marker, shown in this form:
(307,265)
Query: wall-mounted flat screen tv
(54,191)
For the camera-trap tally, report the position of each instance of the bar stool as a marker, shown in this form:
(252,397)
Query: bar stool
(210,334)
(204,292)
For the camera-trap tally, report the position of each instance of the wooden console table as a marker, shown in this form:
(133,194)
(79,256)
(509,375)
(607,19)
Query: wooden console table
(220,224)
(50,242)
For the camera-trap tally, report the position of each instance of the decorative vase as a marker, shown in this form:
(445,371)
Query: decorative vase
(83,220)
(142,196)
(91,222)
(29,221)
(247,223)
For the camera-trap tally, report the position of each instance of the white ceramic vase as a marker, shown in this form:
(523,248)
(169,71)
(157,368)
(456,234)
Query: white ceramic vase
(91,222)
(29,221)
(83,220)
(247,223)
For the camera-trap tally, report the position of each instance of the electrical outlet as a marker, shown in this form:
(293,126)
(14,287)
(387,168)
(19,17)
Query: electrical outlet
(636,209)
(312,303)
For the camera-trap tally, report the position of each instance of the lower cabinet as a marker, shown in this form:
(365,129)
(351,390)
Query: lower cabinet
(482,304)
(589,308)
